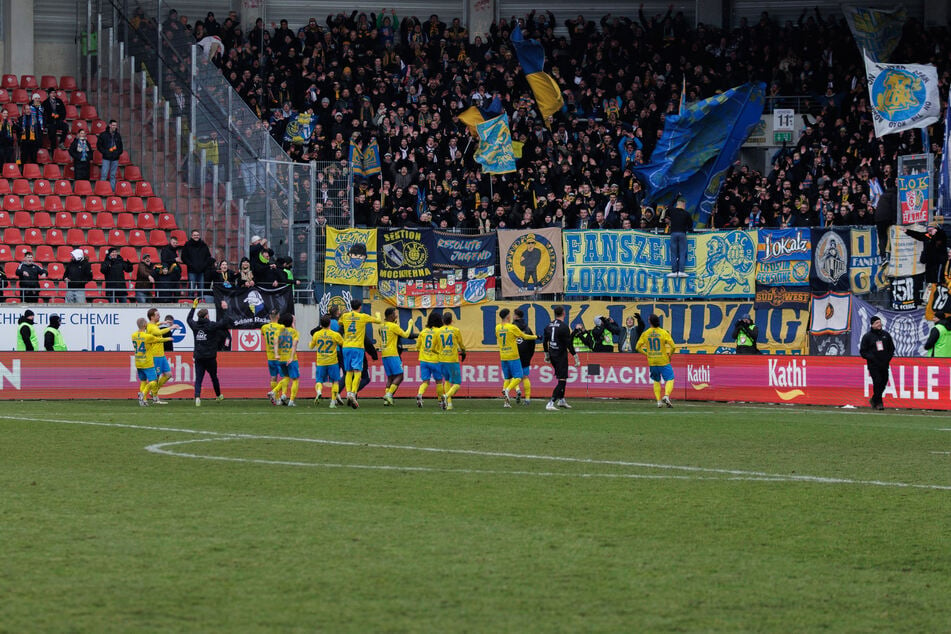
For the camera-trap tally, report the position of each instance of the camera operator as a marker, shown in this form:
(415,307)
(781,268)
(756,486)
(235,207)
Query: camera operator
(745,333)
(602,335)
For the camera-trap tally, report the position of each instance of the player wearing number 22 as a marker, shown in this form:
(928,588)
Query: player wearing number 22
(657,344)
(353,327)
(508,334)
(325,341)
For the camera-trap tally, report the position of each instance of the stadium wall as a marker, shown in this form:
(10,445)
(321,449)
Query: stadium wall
(830,381)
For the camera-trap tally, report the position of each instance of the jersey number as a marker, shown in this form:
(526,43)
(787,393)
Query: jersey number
(446,340)
(325,347)
(654,344)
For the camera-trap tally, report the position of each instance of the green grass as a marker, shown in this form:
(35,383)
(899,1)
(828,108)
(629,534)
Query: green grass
(101,535)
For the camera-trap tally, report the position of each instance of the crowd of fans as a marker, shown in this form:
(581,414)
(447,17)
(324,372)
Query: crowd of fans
(401,82)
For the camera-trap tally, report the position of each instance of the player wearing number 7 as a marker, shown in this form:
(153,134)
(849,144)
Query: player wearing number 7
(508,335)
(657,344)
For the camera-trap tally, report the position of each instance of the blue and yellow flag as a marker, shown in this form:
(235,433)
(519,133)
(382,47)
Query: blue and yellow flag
(351,257)
(371,159)
(698,147)
(531,57)
(495,152)
(300,128)
(356,161)
(876,32)
(472,117)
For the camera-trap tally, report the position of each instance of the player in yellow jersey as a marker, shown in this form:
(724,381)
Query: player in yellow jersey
(429,345)
(326,341)
(453,351)
(142,343)
(287,360)
(270,332)
(390,333)
(657,344)
(508,335)
(162,368)
(353,328)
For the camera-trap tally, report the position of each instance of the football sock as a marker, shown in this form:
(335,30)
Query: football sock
(453,389)
(440,389)
(334,390)
(422,388)
(144,387)
(319,387)
(282,386)
(295,384)
(391,389)
(657,390)
(526,389)
(669,389)
(162,380)
(273,384)
(153,388)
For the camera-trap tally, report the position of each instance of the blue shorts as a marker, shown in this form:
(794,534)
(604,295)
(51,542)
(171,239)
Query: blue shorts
(146,374)
(290,369)
(451,372)
(511,369)
(327,374)
(162,366)
(392,366)
(274,367)
(526,371)
(662,372)
(429,369)
(353,359)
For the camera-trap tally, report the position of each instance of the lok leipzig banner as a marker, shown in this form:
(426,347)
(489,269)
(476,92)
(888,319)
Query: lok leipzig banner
(531,262)
(783,257)
(350,257)
(635,264)
(249,308)
(914,198)
(445,289)
(454,250)
(406,254)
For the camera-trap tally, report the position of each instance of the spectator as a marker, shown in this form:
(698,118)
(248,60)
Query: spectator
(9,131)
(52,337)
(114,269)
(144,280)
(29,273)
(54,114)
(77,274)
(110,146)
(81,152)
(196,255)
(245,275)
(170,277)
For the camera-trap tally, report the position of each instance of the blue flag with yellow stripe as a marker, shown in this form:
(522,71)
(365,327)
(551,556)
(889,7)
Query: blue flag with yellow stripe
(495,146)
(531,57)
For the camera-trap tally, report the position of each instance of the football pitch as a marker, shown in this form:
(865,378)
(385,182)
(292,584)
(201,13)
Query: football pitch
(614,516)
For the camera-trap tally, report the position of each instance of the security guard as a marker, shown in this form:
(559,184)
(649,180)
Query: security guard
(27,340)
(52,337)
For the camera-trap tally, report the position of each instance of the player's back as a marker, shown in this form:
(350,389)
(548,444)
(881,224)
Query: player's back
(390,333)
(428,345)
(271,331)
(156,348)
(450,339)
(353,325)
(657,342)
(287,344)
(140,344)
(507,336)
(325,341)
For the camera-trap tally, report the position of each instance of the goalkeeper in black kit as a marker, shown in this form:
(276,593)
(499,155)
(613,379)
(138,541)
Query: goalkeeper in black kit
(557,344)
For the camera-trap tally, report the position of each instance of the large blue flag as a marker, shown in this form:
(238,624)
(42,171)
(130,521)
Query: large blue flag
(876,31)
(531,57)
(495,146)
(944,179)
(699,146)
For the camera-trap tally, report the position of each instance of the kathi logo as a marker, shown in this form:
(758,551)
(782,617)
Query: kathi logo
(530,261)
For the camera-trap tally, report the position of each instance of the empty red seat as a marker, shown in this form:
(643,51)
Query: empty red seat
(85,220)
(114,204)
(167,221)
(42,220)
(53,204)
(74,238)
(157,238)
(71,113)
(133,204)
(82,188)
(124,160)
(10,82)
(32,203)
(138,238)
(21,187)
(61,157)
(90,252)
(145,221)
(155,205)
(4,95)
(94,204)
(10,268)
(32,171)
(105,220)
(67,82)
(22,219)
(48,82)
(132,173)
(44,253)
(56,270)
(124,189)
(73,204)
(102,188)
(125,220)
(6,253)
(55,237)
(13,236)
(4,187)
(42,187)
(63,252)
(64,219)
(88,111)
(77,125)
(117,238)
(20,96)
(97,126)
(96,237)
(11,203)
(42,157)
(29,82)
(62,187)
(13,110)
(129,254)
(77,98)
(21,250)
(52,172)
(33,236)
(5,220)
(11,171)
(144,189)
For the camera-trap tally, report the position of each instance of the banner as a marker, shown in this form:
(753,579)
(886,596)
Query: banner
(914,195)
(532,262)
(905,257)
(250,308)
(300,128)
(350,257)
(636,264)
(446,289)
(454,250)
(939,301)
(909,329)
(902,96)
(698,147)
(830,259)
(831,313)
(905,292)
(768,297)
(876,32)
(783,257)
(495,146)
(865,263)
(406,253)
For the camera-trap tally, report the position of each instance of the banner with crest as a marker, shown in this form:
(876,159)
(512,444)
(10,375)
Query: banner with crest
(406,254)
(531,262)
(350,257)
(830,259)
(902,96)
(445,289)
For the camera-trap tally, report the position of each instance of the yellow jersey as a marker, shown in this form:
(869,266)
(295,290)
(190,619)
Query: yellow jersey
(508,336)
(450,339)
(271,331)
(353,324)
(156,348)
(657,345)
(142,343)
(287,345)
(390,333)
(326,341)
(428,345)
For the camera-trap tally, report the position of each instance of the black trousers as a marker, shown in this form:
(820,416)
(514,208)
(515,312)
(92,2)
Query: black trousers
(559,363)
(209,365)
(879,376)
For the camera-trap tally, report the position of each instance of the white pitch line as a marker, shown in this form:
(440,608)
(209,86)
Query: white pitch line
(733,474)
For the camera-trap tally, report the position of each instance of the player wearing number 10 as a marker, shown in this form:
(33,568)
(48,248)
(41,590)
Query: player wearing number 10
(508,335)
(657,344)
(353,327)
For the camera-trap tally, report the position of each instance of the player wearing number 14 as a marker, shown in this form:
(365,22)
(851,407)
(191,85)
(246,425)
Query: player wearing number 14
(658,345)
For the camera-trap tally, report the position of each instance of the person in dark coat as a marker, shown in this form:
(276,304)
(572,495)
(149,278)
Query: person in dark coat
(197,257)
(208,338)
(633,327)
(557,341)
(877,348)
(54,114)
(885,213)
(9,130)
(114,268)
(30,273)
(681,223)
(81,152)
(78,273)
(935,251)
(110,146)
(745,334)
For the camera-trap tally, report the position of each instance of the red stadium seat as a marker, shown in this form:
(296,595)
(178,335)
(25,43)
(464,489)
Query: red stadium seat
(97,126)
(10,82)
(138,238)
(11,171)
(85,220)
(73,204)
(6,253)
(74,238)
(71,113)
(56,270)
(4,95)
(96,238)
(132,173)
(77,125)
(77,98)
(114,204)
(90,252)
(31,171)
(124,189)
(88,111)
(63,187)
(167,221)
(32,203)
(29,82)
(61,157)
(5,187)
(117,238)
(33,236)
(133,204)
(13,110)
(94,204)
(42,157)
(5,220)
(42,220)
(20,251)
(179,235)
(93,140)
(12,236)
(129,254)
(82,188)
(64,219)
(55,237)
(11,203)
(48,82)
(105,220)
(10,268)
(67,83)
(63,252)
(125,221)
(124,160)
(20,96)
(52,171)
(102,188)
(45,253)
(22,219)
(145,221)
(152,252)
(144,189)
(21,187)
(157,238)
(42,187)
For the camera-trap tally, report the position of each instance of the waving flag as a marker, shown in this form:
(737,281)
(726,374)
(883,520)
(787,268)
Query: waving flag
(495,146)
(300,128)
(531,57)
(472,117)
(875,31)
(364,163)
(356,161)
(903,96)
(699,146)
(944,178)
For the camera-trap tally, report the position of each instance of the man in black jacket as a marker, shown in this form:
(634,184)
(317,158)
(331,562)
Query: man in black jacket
(78,273)
(877,348)
(935,251)
(557,343)
(54,115)
(114,269)
(30,273)
(208,335)
(110,146)
(680,223)
(197,257)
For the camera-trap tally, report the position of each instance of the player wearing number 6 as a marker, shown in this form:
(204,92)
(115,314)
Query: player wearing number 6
(657,344)
(325,341)
(429,346)
(508,335)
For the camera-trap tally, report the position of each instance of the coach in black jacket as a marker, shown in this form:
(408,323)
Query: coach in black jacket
(208,335)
